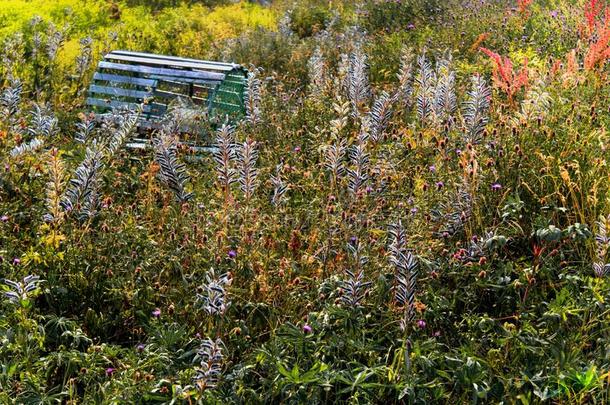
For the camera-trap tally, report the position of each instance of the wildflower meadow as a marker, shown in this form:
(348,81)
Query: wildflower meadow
(411,207)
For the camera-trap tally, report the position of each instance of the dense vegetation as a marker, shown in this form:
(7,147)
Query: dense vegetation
(414,210)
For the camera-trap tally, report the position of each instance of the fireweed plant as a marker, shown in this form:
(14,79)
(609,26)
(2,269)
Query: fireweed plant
(414,209)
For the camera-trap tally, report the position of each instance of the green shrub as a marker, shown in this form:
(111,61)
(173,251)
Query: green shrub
(308,21)
(390,15)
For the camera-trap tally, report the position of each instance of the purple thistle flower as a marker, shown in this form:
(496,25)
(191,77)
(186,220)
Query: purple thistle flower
(432,169)
(232,254)
(110,371)
(421,324)
(156,313)
(4,218)
(496,187)
(140,347)
(16,261)
(297,149)
(307,329)
(439,185)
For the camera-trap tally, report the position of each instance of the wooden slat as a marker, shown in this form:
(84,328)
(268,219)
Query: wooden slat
(225,65)
(178,58)
(174,79)
(163,71)
(114,104)
(165,62)
(154,109)
(117,91)
(136,81)
(217,65)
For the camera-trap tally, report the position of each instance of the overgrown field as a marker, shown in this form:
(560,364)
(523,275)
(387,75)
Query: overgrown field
(415,208)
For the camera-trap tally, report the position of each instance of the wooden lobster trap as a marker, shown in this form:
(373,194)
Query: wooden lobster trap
(125,79)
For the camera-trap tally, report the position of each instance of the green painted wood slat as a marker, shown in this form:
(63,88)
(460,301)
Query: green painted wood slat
(177,79)
(217,65)
(151,108)
(117,91)
(97,102)
(165,62)
(136,81)
(163,71)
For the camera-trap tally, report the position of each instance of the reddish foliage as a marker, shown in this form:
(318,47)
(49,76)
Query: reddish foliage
(593,9)
(477,43)
(505,76)
(599,49)
(524,5)
(556,67)
(571,62)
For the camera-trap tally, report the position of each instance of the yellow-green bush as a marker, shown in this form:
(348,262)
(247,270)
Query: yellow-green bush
(83,16)
(191,30)
(187,29)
